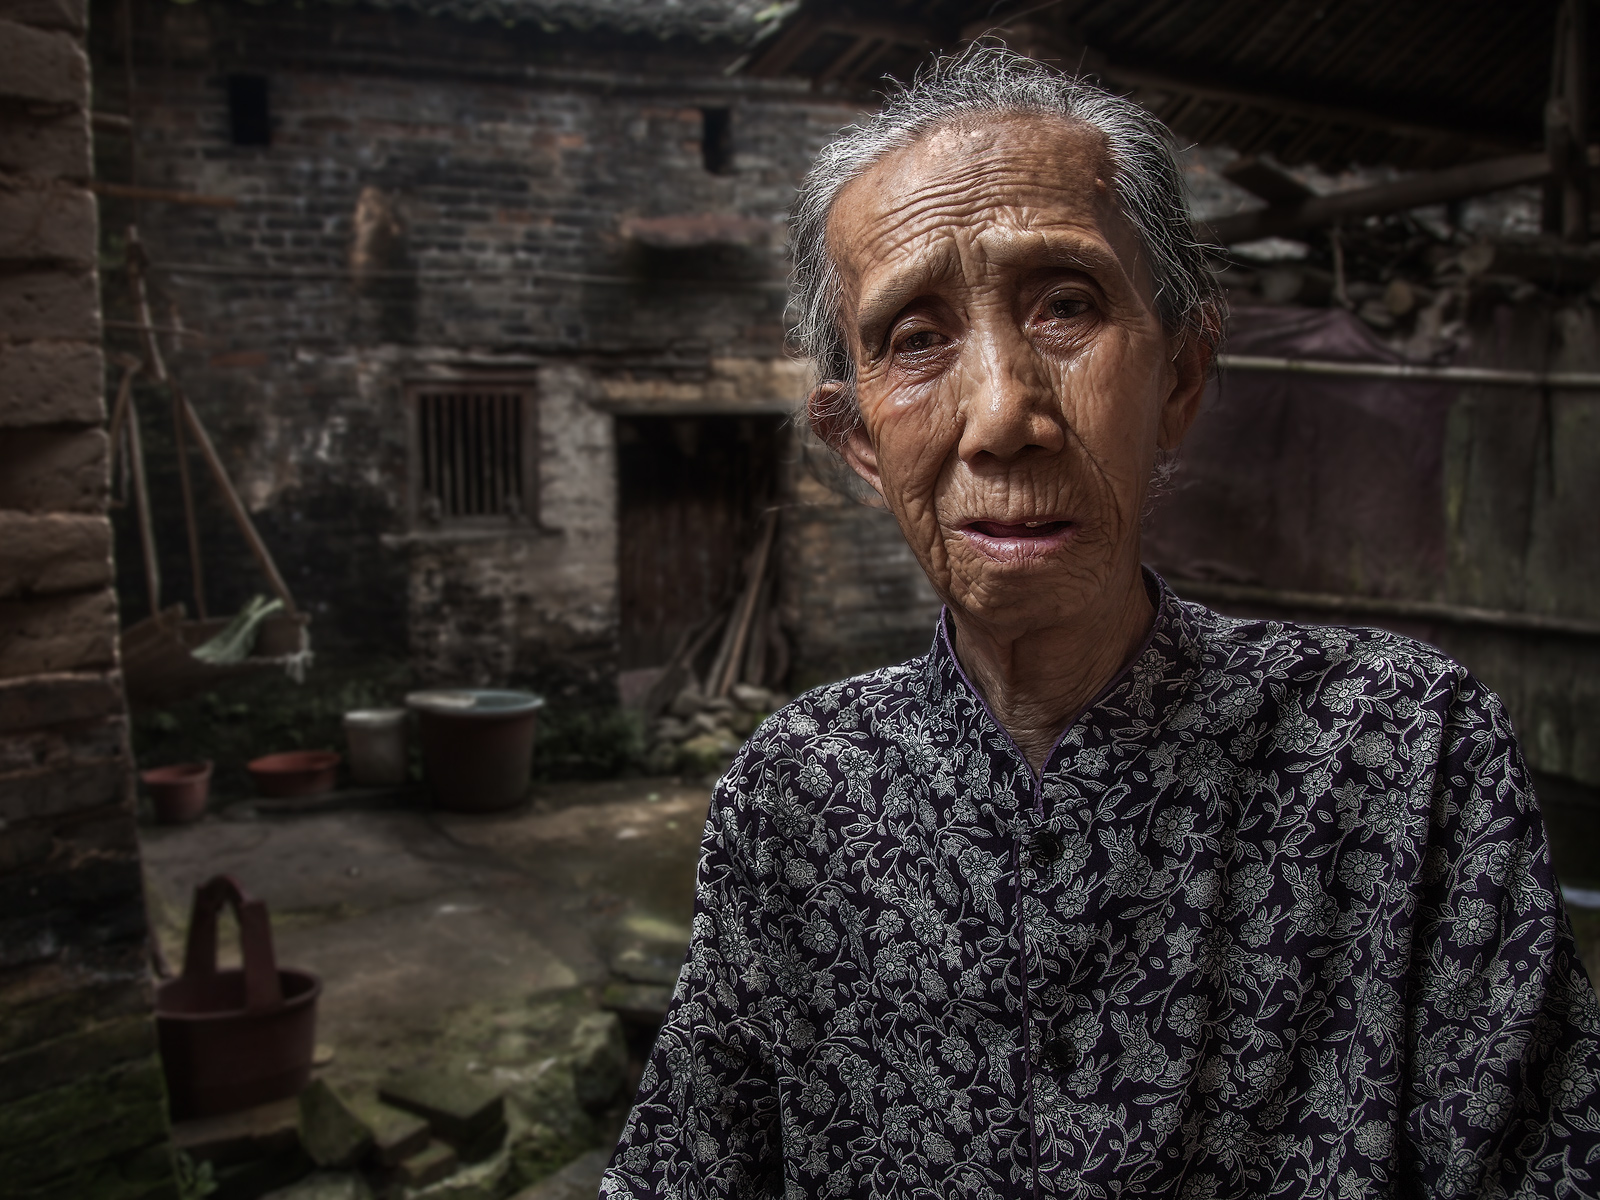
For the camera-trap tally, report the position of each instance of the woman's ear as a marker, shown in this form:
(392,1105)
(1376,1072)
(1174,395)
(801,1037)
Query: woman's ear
(1191,366)
(837,422)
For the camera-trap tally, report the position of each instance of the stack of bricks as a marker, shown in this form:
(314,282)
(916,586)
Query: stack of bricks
(82,1102)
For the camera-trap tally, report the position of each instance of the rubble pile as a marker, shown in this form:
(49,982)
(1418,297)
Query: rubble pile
(700,734)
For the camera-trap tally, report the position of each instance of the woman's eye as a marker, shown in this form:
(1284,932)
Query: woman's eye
(925,339)
(1065,308)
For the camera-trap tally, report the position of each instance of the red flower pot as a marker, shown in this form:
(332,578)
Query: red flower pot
(178,792)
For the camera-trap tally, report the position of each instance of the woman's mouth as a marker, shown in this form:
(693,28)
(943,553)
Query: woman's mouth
(1013,541)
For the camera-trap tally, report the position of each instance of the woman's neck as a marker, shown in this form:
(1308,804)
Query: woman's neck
(1038,681)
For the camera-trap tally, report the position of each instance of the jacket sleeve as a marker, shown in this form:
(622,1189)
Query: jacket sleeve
(1504,1043)
(705,1121)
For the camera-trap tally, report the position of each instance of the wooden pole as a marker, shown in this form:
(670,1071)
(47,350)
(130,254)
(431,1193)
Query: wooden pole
(191,524)
(747,604)
(1575,78)
(236,506)
(158,367)
(141,499)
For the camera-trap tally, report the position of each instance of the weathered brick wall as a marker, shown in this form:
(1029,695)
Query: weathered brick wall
(82,1104)
(504,165)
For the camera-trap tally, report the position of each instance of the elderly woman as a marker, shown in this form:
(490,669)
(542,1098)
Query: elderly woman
(1106,894)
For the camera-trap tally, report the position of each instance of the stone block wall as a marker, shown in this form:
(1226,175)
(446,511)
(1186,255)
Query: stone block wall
(82,1102)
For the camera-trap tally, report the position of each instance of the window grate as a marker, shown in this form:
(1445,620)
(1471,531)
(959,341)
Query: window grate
(470,453)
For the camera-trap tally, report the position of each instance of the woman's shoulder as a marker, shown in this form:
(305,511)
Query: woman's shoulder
(1290,652)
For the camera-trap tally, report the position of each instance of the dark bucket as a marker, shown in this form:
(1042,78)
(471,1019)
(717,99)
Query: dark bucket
(477,746)
(234,1039)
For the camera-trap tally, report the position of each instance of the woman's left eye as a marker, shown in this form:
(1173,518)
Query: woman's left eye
(1065,308)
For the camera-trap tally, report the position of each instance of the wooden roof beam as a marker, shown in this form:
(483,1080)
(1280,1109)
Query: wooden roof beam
(1435,187)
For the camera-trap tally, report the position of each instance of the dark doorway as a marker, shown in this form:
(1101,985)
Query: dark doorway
(690,492)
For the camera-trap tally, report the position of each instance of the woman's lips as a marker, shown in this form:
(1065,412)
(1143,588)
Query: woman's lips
(1014,541)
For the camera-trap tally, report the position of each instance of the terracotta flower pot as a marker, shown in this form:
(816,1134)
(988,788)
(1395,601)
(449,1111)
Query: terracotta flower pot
(178,792)
(296,773)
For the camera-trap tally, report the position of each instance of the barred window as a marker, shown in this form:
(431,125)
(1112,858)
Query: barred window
(472,452)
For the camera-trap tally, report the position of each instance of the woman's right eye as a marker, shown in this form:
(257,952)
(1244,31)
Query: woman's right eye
(923,339)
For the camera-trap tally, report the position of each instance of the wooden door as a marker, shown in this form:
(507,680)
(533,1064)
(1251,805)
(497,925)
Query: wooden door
(690,492)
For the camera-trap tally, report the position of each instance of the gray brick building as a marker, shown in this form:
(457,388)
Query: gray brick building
(547,238)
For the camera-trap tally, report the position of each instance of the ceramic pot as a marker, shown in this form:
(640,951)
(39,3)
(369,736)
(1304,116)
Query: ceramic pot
(178,792)
(477,746)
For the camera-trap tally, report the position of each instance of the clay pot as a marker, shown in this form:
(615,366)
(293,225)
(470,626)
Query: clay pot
(297,773)
(477,746)
(178,792)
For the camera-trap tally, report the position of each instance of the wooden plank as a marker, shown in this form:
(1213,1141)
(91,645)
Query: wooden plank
(1266,180)
(1434,187)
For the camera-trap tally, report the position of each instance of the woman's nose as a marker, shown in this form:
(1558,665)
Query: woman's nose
(1008,401)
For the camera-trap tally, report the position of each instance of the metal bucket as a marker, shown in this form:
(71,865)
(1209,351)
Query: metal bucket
(234,1039)
(477,745)
(376,738)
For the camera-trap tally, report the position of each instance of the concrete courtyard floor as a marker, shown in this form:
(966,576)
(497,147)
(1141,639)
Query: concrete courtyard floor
(477,942)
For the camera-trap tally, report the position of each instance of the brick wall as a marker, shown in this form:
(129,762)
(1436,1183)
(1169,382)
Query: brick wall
(82,1103)
(444,196)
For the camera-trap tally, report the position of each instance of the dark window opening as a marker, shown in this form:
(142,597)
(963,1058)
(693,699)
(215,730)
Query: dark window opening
(471,453)
(249,115)
(716,139)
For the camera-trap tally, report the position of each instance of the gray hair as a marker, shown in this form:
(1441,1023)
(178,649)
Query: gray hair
(989,80)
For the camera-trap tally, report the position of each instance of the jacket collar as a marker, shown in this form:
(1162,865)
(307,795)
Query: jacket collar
(1138,698)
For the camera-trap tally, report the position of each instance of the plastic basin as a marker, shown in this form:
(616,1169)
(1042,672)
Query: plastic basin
(296,773)
(477,745)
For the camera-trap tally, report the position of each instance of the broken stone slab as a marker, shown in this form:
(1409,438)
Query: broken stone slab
(332,1134)
(599,1060)
(264,1132)
(484,1145)
(435,1161)
(686,703)
(578,1180)
(461,1108)
(751,698)
(324,1185)
(644,1003)
(707,753)
(648,949)
(396,1134)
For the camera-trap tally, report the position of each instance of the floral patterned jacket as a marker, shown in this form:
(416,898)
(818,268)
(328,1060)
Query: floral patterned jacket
(1277,919)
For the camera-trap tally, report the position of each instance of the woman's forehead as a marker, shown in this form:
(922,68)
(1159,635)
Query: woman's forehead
(989,184)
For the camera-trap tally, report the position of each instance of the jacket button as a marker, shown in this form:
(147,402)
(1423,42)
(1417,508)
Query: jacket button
(1044,849)
(1060,1052)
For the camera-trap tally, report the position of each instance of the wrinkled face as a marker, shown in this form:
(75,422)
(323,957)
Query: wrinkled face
(1014,381)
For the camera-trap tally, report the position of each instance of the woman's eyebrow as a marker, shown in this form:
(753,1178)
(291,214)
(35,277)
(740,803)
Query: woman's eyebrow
(1055,251)
(882,299)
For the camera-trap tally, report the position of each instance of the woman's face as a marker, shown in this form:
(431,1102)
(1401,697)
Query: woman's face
(1014,380)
